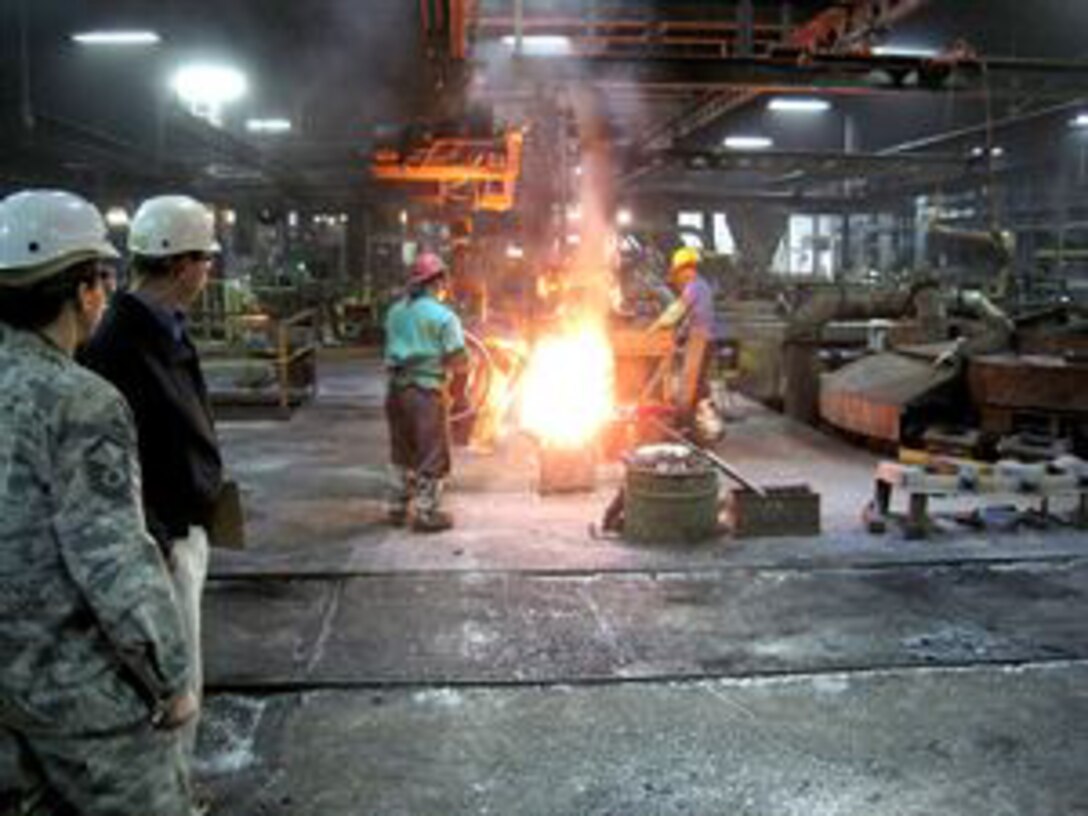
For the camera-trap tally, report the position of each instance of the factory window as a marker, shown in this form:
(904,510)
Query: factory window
(690,218)
(723,236)
(810,246)
(692,225)
(827,245)
(794,254)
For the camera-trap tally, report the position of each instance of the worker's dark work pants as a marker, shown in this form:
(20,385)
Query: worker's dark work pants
(418,430)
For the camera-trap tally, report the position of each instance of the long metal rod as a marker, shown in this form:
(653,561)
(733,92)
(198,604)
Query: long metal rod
(491,24)
(746,25)
(279,687)
(222,571)
(721,103)
(982,127)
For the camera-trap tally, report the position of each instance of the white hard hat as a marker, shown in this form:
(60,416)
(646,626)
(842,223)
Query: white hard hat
(45,231)
(172,225)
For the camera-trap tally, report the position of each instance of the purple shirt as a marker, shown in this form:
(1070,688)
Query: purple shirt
(698,297)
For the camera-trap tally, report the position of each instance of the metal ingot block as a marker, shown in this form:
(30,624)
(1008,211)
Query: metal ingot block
(566,470)
(785,510)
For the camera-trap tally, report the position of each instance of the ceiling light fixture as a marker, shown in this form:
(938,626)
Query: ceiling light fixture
(541,45)
(116,38)
(748,142)
(918,51)
(206,89)
(798,104)
(117,217)
(1081,120)
(273,125)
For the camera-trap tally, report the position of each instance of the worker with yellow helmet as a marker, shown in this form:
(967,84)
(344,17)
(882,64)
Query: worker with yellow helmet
(691,317)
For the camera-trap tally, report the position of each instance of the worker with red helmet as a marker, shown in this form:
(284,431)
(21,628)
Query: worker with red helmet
(424,342)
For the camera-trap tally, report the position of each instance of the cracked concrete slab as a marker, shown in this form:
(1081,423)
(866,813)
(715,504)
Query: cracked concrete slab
(826,676)
(971,742)
(468,627)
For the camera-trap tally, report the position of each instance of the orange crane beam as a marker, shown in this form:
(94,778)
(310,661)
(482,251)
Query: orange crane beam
(490,168)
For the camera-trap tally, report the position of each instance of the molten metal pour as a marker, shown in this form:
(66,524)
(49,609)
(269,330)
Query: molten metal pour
(567,399)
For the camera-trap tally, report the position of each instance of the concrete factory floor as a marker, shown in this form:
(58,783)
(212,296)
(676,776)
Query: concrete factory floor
(517,665)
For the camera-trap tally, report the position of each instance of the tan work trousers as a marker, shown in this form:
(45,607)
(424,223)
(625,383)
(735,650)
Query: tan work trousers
(189,571)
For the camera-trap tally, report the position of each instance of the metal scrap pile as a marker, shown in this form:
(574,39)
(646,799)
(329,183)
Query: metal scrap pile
(667,460)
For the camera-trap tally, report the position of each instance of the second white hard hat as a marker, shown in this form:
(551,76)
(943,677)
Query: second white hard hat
(172,225)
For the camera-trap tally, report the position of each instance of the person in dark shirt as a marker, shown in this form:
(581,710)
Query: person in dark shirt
(143,348)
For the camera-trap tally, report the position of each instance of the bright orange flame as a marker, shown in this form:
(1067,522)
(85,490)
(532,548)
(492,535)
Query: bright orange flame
(567,387)
(488,426)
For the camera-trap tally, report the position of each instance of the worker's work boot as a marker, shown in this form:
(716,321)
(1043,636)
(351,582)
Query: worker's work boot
(400,496)
(428,517)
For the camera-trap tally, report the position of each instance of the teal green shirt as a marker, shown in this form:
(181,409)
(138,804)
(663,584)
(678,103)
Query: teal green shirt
(420,333)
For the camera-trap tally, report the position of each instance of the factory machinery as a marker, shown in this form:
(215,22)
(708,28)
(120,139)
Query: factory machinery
(557,301)
(952,364)
(524,269)
(259,346)
(924,362)
(942,369)
(513,265)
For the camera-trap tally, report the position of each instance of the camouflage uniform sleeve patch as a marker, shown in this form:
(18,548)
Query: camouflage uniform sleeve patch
(106,465)
(102,453)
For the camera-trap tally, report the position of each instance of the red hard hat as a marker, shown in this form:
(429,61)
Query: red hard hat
(427,267)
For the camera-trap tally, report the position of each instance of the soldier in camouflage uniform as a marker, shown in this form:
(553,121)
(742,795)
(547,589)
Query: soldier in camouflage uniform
(94,676)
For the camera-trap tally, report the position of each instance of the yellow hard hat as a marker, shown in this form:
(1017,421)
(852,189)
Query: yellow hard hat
(683,257)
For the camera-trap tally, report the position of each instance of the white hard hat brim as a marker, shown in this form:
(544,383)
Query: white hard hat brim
(106,251)
(29,275)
